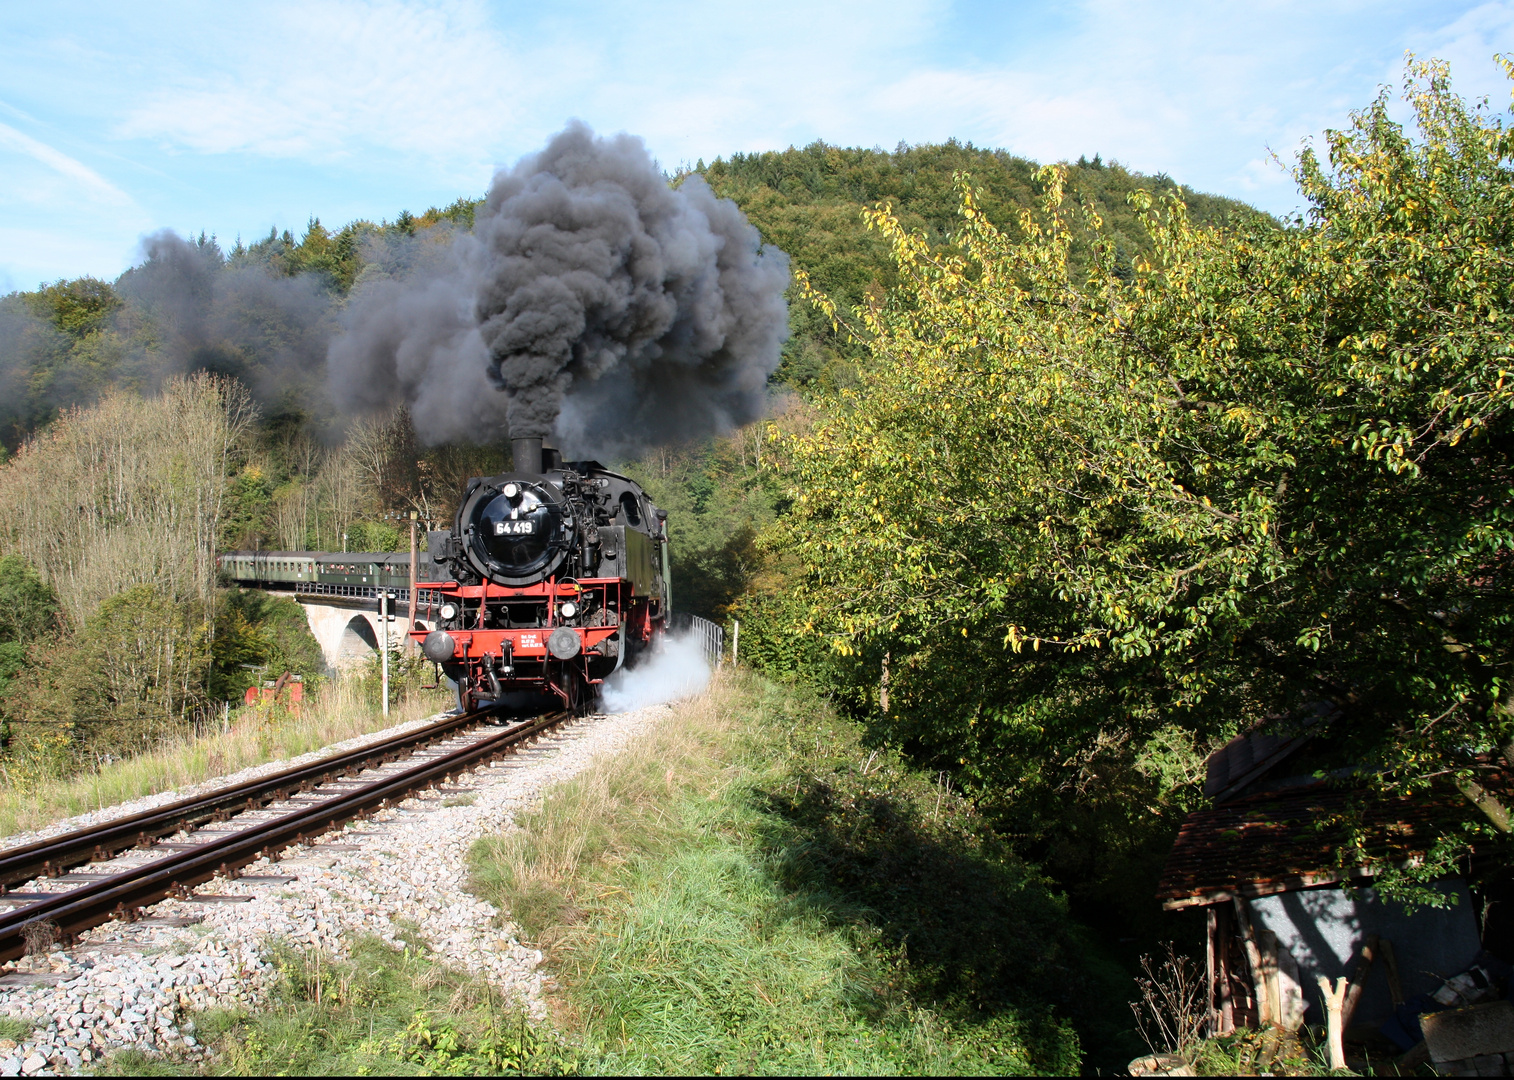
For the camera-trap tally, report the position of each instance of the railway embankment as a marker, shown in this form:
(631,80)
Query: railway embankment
(758,887)
(397,879)
(750,886)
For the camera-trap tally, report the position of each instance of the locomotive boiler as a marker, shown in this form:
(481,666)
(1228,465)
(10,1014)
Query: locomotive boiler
(557,578)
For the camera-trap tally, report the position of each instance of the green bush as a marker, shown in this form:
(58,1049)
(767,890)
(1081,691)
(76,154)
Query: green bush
(375,536)
(28,612)
(258,637)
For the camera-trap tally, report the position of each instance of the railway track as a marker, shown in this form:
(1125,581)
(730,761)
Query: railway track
(245,822)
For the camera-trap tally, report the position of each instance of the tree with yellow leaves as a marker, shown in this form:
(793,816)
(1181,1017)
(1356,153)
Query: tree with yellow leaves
(1095,523)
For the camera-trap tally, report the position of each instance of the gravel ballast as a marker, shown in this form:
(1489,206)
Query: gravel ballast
(133,984)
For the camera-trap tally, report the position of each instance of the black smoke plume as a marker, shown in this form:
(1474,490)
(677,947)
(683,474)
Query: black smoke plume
(590,301)
(185,307)
(234,318)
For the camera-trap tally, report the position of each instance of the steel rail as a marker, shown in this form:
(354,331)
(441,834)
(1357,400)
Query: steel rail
(122,895)
(54,855)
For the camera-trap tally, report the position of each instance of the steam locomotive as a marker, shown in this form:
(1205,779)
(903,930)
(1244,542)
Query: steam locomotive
(558,578)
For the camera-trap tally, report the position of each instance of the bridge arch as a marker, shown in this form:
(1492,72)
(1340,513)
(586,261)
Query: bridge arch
(348,632)
(359,641)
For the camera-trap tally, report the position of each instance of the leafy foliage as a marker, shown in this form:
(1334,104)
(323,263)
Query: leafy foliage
(809,202)
(257,637)
(28,610)
(1081,511)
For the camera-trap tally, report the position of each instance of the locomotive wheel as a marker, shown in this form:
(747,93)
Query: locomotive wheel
(570,686)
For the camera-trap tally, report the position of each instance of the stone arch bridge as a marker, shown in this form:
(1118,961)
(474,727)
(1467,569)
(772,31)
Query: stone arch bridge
(345,619)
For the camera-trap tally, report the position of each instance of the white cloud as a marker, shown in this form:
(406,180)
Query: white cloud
(235,117)
(91,182)
(1204,92)
(329,79)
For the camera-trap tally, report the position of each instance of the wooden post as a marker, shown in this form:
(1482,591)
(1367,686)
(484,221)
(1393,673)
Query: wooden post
(1290,989)
(1358,980)
(1224,934)
(1266,942)
(735,639)
(1334,1001)
(410,607)
(1395,987)
(1211,967)
(1264,1013)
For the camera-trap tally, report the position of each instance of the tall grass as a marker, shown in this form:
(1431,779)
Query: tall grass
(750,889)
(252,735)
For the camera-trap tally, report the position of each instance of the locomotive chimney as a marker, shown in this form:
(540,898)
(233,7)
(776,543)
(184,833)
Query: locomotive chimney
(527,452)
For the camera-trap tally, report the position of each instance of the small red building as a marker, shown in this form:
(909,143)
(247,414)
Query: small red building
(289,690)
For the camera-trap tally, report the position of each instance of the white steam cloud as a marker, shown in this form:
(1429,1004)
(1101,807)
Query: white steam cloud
(679,670)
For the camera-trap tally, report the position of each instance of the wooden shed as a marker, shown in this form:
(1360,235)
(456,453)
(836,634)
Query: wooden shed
(1281,910)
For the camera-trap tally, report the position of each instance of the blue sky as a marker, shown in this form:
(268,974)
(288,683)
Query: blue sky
(117,120)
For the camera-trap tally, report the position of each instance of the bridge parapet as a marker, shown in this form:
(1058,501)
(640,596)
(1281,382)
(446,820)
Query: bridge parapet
(366,592)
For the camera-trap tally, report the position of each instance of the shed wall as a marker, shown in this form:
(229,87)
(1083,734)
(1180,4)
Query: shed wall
(1324,930)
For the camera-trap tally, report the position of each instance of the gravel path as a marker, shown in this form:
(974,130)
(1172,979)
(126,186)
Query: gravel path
(132,984)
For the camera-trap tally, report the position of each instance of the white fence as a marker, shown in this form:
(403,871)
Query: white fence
(710,635)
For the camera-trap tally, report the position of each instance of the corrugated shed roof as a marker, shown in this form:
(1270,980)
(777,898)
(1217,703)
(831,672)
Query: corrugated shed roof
(1246,757)
(1278,842)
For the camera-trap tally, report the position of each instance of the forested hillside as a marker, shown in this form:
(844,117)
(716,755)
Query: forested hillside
(809,203)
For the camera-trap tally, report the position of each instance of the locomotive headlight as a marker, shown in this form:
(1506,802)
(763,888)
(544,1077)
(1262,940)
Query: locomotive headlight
(448,611)
(568,609)
(510,491)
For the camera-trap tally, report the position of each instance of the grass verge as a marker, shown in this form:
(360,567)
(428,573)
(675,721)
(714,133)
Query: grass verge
(750,889)
(255,735)
(378,1012)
